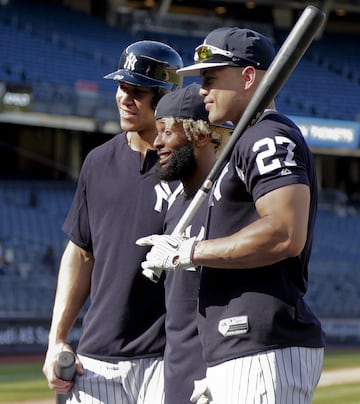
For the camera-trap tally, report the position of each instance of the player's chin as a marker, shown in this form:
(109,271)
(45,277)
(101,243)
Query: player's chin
(213,116)
(217,118)
(164,174)
(129,124)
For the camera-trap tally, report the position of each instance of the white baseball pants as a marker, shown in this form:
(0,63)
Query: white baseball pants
(281,376)
(137,381)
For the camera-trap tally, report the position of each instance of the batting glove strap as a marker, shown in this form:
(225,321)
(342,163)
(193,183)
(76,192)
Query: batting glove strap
(183,259)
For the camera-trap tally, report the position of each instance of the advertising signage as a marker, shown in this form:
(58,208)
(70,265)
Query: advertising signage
(329,133)
(15,97)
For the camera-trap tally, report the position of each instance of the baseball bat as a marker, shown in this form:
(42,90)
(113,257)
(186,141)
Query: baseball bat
(65,370)
(285,61)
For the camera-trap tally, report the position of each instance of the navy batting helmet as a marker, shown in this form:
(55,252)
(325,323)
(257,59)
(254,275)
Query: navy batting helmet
(149,64)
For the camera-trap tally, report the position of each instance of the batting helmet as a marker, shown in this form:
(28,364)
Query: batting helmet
(149,64)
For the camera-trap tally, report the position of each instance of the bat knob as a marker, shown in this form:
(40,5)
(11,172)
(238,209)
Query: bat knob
(65,365)
(64,369)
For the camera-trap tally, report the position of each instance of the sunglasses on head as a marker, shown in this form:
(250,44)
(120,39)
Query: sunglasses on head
(207,52)
(210,53)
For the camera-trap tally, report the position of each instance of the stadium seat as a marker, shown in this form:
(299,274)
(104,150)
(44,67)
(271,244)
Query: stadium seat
(55,45)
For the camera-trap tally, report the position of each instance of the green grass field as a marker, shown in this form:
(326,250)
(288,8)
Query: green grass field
(341,393)
(25,381)
(22,382)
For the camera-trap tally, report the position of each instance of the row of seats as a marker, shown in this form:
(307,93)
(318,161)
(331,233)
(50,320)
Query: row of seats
(31,216)
(52,47)
(334,272)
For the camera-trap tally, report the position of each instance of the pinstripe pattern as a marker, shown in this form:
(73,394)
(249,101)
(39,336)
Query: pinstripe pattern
(137,381)
(281,376)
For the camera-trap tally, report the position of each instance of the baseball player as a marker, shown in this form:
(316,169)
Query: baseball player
(118,199)
(187,146)
(261,341)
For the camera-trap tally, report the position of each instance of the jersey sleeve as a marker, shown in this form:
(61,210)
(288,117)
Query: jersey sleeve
(76,225)
(271,155)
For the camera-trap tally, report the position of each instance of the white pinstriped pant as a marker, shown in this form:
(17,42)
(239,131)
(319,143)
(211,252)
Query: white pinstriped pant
(137,381)
(281,376)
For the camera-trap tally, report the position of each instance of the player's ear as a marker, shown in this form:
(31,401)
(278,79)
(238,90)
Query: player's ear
(249,76)
(202,139)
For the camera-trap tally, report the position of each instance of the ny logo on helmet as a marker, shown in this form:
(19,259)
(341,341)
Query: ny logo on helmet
(130,62)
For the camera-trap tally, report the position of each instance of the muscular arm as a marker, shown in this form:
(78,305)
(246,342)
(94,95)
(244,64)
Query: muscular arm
(279,233)
(73,288)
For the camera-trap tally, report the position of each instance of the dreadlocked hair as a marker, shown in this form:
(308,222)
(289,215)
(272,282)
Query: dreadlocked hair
(193,128)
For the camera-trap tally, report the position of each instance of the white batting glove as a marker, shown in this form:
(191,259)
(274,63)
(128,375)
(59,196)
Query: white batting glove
(170,253)
(201,393)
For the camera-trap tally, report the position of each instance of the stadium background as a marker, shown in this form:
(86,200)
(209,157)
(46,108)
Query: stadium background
(55,106)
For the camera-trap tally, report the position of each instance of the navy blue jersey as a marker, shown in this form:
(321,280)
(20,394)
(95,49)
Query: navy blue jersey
(183,354)
(117,201)
(248,311)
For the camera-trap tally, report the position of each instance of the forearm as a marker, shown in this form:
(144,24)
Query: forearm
(279,233)
(259,244)
(72,291)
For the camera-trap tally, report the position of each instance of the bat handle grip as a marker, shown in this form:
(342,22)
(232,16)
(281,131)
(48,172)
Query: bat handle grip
(64,369)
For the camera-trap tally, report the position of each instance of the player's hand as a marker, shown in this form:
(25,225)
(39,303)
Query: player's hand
(170,253)
(56,384)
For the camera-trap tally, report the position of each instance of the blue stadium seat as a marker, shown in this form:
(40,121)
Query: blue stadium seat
(334,287)
(56,45)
